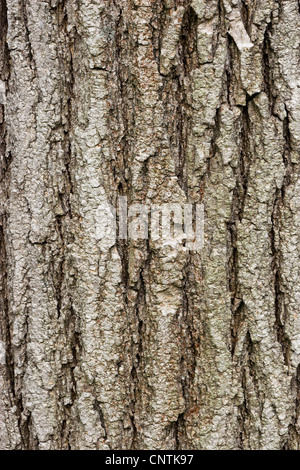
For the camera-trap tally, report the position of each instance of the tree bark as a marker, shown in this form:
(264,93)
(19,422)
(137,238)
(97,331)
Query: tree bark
(132,344)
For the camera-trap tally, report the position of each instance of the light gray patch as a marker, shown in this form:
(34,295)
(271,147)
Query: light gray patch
(2,93)
(2,353)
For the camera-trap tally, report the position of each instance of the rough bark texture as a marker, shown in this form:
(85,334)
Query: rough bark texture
(135,345)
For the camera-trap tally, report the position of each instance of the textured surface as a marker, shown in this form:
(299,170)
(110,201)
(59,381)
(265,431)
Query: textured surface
(135,345)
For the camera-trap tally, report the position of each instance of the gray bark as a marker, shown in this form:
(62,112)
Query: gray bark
(135,345)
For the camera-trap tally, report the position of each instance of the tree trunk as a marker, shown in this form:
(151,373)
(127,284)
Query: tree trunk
(137,344)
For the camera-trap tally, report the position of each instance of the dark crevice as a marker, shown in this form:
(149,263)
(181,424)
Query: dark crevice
(245,13)
(189,353)
(5,320)
(97,407)
(181,133)
(267,66)
(245,160)
(13,381)
(68,319)
(293,442)
(178,429)
(27,36)
(289,168)
(188,41)
(68,41)
(229,69)
(138,348)
(157,25)
(243,413)
(237,310)
(279,202)
(280,319)
(4,51)
(122,243)
(188,60)
(175,92)
(248,372)
(58,274)
(73,339)
(122,125)
(248,8)
(237,211)
(251,364)
(121,113)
